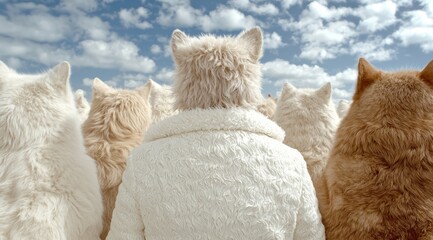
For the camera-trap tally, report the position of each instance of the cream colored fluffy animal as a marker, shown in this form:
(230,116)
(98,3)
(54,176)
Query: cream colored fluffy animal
(48,184)
(343,108)
(267,107)
(161,101)
(378,183)
(82,104)
(116,124)
(309,118)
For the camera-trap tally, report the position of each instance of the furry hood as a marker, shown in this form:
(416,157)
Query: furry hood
(220,119)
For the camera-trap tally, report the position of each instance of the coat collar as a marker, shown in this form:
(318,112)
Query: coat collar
(219,119)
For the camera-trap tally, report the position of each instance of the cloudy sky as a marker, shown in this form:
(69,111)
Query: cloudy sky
(126,42)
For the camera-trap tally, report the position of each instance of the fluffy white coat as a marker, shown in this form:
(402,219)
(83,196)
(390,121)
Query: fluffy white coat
(216,174)
(309,118)
(48,185)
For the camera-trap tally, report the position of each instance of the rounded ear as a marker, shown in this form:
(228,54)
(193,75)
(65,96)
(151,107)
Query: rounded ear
(59,76)
(325,92)
(254,40)
(367,74)
(177,38)
(427,73)
(100,88)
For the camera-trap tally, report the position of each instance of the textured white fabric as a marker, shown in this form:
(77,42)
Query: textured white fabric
(216,174)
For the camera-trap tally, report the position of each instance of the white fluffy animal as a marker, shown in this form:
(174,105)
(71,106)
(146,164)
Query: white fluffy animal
(161,100)
(83,105)
(309,118)
(343,107)
(48,185)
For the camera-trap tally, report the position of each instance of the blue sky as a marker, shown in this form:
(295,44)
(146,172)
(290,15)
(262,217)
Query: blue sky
(126,42)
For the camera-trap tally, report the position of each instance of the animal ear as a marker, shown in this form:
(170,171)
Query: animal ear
(144,91)
(427,73)
(177,38)
(59,76)
(100,88)
(3,67)
(288,90)
(367,74)
(325,92)
(254,40)
(79,96)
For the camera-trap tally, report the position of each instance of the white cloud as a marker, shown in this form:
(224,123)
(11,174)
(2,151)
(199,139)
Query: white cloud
(155,49)
(376,16)
(374,49)
(272,40)
(92,27)
(135,18)
(279,71)
(263,9)
(226,19)
(79,5)
(417,30)
(164,75)
(178,13)
(130,80)
(286,4)
(114,54)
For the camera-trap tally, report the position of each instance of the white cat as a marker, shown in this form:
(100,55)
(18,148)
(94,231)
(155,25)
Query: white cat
(83,105)
(309,118)
(48,185)
(343,107)
(161,100)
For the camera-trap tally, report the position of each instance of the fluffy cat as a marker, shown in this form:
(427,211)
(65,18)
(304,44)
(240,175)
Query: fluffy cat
(48,184)
(230,60)
(267,107)
(116,124)
(83,106)
(161,100)
(378,183)
(343,107)
(309,118)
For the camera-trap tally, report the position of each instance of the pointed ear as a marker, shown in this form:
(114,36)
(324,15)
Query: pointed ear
(288,90)
(367,74)
(3,67)
(100,88)
(79,96)
(427,73)
(59,76)
(254,40)
(325,92)
(144,91)
(177,38)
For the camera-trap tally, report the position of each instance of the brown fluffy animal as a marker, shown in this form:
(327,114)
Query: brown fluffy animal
(378,183)
(116,124)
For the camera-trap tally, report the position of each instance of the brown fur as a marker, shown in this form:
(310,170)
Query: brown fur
(378,183)
(116,124)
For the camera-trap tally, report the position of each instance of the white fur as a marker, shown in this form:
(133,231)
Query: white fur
(83,105)
(310,120)
(343,107)
(161,100)
(48,185)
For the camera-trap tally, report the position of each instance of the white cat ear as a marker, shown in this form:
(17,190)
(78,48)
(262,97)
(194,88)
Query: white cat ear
(367,74)
(177,38)
(254,39)
(59,76)
(79,96)
(325,92)
(288,90)
(100,88)
(427,73)
(144,91)
(3,67)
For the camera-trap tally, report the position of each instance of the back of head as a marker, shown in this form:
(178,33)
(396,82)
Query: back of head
(35,108)
(117,114)
(392,109)
(216,72)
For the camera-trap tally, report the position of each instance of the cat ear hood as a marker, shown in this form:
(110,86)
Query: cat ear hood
(100,88)
(325,92)
(254,38)
(177,38)
(427,73)
(59,76)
